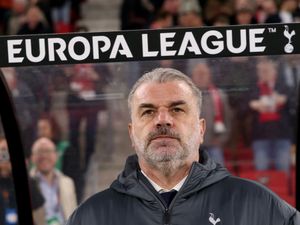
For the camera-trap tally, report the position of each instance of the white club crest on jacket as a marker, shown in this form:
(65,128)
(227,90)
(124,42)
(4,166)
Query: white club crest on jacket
(213,220)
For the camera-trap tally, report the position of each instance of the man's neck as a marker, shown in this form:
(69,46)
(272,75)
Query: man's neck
(166,182)
(49,176)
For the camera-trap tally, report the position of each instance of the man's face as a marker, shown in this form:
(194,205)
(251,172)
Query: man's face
(190,19)
(5,165)
(44,128)
(166,128)
(45,158)
(201,76)
(266,72)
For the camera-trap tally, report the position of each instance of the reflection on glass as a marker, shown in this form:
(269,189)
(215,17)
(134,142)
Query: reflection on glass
(8,207)
(8,204)
(57,189)
(249,103)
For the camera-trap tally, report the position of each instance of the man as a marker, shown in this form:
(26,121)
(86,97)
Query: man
(215,110)
(270,107)
(166,131)
(57,189)
(190,14)
(8,206)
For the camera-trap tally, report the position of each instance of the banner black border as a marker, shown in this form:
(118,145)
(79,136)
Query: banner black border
(275,42)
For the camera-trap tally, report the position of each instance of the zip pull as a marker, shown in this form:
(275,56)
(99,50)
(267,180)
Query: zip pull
(166,217)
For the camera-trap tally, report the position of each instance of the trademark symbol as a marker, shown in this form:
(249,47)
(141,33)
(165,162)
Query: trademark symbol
(272,29)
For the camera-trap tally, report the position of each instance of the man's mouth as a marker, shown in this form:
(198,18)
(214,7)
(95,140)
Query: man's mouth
(163,139)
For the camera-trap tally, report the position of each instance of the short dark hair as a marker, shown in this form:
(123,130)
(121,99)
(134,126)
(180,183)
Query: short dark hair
(163,75)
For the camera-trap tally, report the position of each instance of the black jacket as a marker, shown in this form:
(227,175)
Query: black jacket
(210,195)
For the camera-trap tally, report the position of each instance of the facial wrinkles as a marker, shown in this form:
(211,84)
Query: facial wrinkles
(166,160)
(156,147)
(163,130)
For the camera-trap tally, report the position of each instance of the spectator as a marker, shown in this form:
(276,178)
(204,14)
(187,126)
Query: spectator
(39,82)
(47,127)
(17,17)
(85,84)
(35,22)
(76,10)
(190,14)
(265,9)
(221,20)
(213,8)
(68,158)
(138,14)
(57,189)
(269,102)
(61,15)
(285,14)
(244,15)
(162,20)
(45,7)
(5,13)
(215,111)
(172,6)
(291,78)
(297,13)
(26,107)
(237,74)
(8,207)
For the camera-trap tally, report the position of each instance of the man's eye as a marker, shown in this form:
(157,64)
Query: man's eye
(177,110)
(148,112)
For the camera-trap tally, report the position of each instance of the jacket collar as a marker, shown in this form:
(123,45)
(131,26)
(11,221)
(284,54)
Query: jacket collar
(202,174)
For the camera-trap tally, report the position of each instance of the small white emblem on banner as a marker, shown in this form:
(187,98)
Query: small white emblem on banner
(288,48)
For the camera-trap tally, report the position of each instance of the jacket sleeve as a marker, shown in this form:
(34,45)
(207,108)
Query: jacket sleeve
(295,219)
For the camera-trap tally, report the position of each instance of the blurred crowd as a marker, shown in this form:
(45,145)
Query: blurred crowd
(56,164)
(61,16)
(249,104)
(39,16)
(145,14)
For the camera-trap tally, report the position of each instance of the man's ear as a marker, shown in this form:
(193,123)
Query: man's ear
(130,134)
(202,129)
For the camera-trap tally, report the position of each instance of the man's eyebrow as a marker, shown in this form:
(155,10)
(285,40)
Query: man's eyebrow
(172,104)
(177,103)
(146,105)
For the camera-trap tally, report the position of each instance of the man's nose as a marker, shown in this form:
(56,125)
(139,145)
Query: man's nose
(164,118)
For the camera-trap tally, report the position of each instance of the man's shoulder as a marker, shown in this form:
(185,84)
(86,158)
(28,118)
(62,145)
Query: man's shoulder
(95,208)
(254,192)
(102,199)
(246,186)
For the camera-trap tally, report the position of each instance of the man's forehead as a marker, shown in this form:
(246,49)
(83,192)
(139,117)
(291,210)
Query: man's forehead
(3,144)
(44,147)
(170,89)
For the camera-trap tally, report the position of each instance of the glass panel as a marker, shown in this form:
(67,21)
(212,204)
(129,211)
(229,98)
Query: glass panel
(8,206)
(249,104)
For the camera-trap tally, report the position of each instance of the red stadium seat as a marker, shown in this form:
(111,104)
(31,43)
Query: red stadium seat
(289,199)
(293,181)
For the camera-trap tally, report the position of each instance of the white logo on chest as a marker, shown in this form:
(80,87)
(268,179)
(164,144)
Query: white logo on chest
(213,220)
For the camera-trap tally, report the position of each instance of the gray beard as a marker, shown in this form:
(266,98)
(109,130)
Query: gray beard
(166,163)
(169,167)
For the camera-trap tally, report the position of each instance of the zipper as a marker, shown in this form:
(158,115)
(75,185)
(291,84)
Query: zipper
(166,214)
(167,217)
(166,210)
